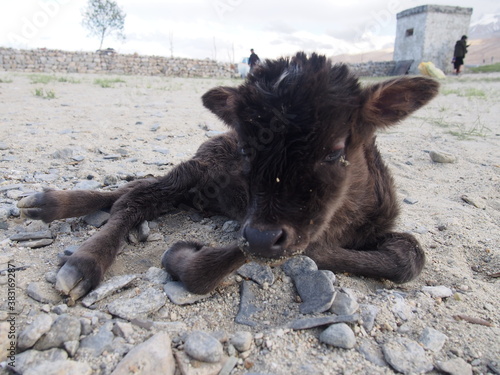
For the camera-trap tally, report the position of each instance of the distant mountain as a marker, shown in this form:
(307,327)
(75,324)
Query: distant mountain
(486,27)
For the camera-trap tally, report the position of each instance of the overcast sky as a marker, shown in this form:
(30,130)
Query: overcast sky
(221,29)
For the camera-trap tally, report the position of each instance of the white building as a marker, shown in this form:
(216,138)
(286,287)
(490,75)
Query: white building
(428,33)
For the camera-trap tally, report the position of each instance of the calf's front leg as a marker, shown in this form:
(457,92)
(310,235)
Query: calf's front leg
(83,270)
(51,205)
(200,268)
(396,256)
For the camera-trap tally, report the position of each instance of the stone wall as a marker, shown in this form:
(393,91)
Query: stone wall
(56,61)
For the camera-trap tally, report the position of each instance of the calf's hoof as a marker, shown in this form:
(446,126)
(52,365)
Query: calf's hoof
(77,277)
(38,206)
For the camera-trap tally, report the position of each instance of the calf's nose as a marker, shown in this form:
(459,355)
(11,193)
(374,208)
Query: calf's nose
(264,243)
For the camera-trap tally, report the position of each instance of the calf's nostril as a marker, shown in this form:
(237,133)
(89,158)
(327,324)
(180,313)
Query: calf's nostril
(265,243)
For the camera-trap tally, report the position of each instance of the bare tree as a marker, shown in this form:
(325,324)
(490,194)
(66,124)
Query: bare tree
(103,18)
(171,41)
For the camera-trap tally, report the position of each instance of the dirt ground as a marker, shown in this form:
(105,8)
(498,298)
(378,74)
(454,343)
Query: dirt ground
(145,125)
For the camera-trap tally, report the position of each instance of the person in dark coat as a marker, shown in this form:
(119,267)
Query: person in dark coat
(459,53)
(253,60)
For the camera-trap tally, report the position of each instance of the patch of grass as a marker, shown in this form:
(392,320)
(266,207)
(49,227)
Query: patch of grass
(486,68)
(45,94)
(68,80)
(42,78)
(468,92)
(478,129)
(5,80)
(108,82)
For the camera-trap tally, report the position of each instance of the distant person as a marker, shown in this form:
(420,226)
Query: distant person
(459,53)
(253,60)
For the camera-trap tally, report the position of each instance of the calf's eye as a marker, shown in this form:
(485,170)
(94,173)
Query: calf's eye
(335,155)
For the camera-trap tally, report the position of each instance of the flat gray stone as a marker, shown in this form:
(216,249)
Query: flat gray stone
(455,366)
(307,323)
(158,276)
(97,219)
(316,291)
(149,301)
(31,358)
(28,236)
(64,328)
(344,303)
(178,294)
(154,356)
(43,292)
(372,352)
(107,288)
(406,356)
(368,315)
(67,367)
(440,291)
(30,335)
(299,264)
(432,339)
(260,273)
(247,308)
(97,343)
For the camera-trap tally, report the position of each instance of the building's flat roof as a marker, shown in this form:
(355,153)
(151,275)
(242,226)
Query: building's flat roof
(434,9)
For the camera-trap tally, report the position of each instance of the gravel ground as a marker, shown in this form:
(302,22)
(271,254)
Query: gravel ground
(68,132)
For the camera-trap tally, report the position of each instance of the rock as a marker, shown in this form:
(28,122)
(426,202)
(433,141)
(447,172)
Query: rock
(316,291)
(442,157)
(406,356)
(455,366)
(410,200)
(299,264)
(97,219)
(432,339)
(401,309)
(87,185)
(247,308)
(149,301)
(229,366)
(96,344)
(189,366)
(107,288)
(157,276)
(368,315)
(178,294)
(307,323)
(60,309)
(230,226)
(213,133)
(123,329)
(344,303)
(28,236)
(67,367)
(438,291)
(474,201)
(372,352)
(260,273)
(43,292)
(35,244)
(339,335)
(65,328)
(30,335)
(203,347)
(31,358)
(71,347)
(153,356)
(242,340)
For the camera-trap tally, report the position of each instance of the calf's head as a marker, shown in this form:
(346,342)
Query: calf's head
(301,124)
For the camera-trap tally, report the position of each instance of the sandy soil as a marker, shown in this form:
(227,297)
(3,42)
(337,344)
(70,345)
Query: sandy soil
(151,119)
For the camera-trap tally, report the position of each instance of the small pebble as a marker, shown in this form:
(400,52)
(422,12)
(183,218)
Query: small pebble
(203,347)
(339,335)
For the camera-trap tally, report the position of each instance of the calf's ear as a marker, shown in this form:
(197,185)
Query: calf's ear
(222,102)
(388,102)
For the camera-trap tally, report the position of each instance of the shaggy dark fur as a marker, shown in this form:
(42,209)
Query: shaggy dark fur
(299,168)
